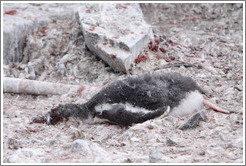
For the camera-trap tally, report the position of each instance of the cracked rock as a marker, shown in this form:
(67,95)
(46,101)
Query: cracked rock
(116,33)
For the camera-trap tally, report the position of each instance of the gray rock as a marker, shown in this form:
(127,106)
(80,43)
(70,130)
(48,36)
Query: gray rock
(15,29)
(13,144)
(194,120)
(201,152)
(116,33)
(154,156)
(26,19)
(170,142)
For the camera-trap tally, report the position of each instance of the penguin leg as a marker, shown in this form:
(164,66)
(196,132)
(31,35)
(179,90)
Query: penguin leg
(215,107)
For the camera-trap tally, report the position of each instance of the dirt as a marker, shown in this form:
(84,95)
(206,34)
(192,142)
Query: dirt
(207,36)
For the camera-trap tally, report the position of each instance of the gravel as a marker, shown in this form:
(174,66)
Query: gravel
(208,36)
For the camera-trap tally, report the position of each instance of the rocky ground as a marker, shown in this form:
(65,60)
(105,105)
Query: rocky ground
(207,37)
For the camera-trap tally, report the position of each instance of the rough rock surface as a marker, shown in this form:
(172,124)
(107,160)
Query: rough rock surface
(20,20)
(114,32)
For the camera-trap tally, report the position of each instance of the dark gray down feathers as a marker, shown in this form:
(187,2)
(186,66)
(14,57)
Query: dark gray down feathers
(154,92)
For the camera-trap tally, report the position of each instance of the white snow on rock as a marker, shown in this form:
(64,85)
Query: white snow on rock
(114,32)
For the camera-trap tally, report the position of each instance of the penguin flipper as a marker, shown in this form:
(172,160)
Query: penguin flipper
(120,115)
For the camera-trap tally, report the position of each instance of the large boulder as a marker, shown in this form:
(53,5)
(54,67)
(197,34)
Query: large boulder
(116,33)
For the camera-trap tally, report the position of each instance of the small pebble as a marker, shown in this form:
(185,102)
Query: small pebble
(170,142)
(202,152)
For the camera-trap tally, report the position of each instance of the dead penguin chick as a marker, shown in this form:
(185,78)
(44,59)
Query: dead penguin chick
(137,99)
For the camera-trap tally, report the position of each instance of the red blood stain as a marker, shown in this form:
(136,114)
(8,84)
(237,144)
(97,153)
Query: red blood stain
(120,6)
(163,50)
(11,12)
(157,42)
(104,44)
(132,32)
(39,121)
(88,11)
(155,48)
(166,44)
(112,56)
(172,43)
(158,57)
(141,58)
(167,59)
(52,53)
(92,29)
(150,127)
(150,45)
(42,32)
(80,90)
(172,58)
(163,131)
